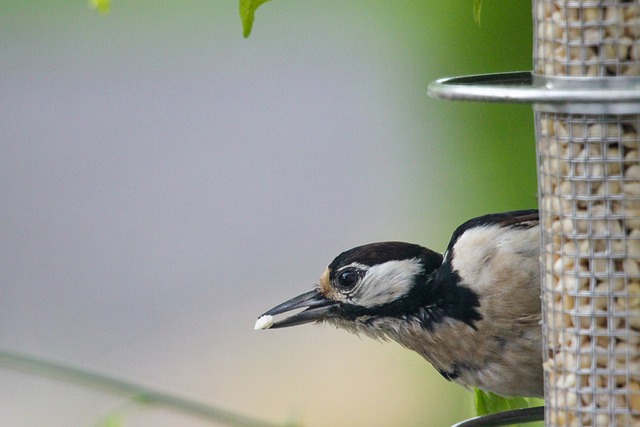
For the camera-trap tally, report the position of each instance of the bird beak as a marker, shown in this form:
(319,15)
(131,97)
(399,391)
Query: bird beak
(316,307)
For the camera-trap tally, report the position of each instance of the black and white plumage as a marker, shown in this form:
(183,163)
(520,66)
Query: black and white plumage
(473,313)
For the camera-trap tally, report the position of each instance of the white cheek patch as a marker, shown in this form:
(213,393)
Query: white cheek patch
(387,282)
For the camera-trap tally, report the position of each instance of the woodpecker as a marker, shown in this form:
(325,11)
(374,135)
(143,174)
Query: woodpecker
(473,312)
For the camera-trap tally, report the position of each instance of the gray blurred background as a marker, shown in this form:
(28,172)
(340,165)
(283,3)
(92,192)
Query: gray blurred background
(163,181)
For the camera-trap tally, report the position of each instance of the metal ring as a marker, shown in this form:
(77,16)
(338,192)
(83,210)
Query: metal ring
(516,416)
(604,95)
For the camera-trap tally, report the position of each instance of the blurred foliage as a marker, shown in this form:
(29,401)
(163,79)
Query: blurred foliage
(112,420)
(490,148)
(247,12)
(477,10)
(102,6)
(248,9)
(489,403)
(137,393)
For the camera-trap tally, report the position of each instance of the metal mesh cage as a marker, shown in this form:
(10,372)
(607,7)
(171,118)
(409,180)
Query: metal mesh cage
(589,185)
(589,173)
(586,37)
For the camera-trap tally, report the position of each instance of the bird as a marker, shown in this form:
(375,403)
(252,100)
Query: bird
(473,312)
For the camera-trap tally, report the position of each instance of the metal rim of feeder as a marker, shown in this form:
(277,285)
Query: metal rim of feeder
(505,418)
(607,95)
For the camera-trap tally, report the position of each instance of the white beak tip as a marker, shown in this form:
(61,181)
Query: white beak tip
(263,322)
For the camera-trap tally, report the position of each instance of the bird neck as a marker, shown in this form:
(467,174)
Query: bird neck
(453,298)
(435,297)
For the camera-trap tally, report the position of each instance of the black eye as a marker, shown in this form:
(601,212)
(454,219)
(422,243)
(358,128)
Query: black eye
(348,278)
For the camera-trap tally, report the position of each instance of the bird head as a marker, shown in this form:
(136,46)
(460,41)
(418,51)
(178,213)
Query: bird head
(374,281)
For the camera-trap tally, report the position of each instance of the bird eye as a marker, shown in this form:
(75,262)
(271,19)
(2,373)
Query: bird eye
(348,279)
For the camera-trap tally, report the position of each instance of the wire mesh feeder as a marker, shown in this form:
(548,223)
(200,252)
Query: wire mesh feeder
(589,185)
(586,95)
(586,38)
(589,192)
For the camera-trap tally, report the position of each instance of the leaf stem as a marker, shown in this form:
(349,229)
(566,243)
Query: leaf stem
(140,393)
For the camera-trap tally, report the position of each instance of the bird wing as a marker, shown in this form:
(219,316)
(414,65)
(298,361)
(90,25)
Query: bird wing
(517,219)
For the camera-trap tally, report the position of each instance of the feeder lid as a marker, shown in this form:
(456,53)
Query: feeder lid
(587,95)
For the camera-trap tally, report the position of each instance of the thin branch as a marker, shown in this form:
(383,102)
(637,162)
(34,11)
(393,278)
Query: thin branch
(140,393)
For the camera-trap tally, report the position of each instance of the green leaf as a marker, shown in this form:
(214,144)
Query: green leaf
(477,11)
(489,403)
(247,12)
(102,6)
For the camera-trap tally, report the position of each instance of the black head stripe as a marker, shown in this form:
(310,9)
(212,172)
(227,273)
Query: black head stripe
(379,253)
(434,297)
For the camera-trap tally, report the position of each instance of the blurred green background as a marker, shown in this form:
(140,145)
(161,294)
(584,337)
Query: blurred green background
(164,181)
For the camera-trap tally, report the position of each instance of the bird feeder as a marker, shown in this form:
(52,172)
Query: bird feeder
(585,92)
